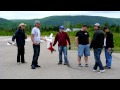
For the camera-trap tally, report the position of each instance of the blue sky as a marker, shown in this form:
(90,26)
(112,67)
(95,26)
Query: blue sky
(42,14)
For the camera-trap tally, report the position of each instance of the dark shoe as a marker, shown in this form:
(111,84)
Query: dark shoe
(106,67)
(59,63)
(23,62)
(37,66)
(65,63)
(86,65)
(32,67)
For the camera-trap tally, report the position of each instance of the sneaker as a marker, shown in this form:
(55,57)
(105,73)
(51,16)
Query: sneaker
(67,64)
(23,62)
(94,70)
(59,63)
(106,67)
(101,71)
(79,65)
(32,67)
(37,66)
(86,65)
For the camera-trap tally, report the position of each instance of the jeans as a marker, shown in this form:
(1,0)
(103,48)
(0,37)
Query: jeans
(21,52)
(108,57)
(36,49)
(98,63)
(64,50)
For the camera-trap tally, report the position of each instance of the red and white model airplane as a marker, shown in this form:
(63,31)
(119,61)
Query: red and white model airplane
(50,43)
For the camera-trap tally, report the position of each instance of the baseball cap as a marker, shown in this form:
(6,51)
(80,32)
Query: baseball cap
(61,27)
(36,22)
(97,24)
(22,24)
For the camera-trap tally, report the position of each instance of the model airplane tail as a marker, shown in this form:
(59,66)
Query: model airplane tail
(51,48)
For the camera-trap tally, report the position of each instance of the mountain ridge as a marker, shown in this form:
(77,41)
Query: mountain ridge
(59,20)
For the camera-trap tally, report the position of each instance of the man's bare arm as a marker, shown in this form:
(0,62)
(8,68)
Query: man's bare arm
(43,39)
(76,41)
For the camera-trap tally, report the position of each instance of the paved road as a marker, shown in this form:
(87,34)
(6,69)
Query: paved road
(9,69)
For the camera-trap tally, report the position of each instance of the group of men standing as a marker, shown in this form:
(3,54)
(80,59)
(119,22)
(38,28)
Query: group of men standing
(99,41)
(82,40)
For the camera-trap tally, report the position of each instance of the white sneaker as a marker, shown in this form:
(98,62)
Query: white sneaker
(79,65)
(94,70)
(101,71)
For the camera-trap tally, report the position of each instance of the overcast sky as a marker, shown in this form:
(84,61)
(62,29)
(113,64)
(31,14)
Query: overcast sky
(42,14)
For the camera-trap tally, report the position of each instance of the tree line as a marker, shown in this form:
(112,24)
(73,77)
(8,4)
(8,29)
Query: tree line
(10,31)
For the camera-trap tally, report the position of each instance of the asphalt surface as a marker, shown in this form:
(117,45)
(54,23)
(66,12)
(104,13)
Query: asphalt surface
(9,69)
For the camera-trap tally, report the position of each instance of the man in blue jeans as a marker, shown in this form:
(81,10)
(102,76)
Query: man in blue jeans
(36,39)
(97,44)
(62,38)
(108,44)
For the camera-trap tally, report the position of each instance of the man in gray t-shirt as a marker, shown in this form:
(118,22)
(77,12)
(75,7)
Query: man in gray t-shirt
(35,37)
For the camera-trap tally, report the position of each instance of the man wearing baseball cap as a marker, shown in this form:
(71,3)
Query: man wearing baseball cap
(36,39)
(97,44)
(62,38)
(20,40)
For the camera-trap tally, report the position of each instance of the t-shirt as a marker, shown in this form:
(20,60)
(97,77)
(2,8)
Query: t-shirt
(105,41)
(36,32)
(83,37)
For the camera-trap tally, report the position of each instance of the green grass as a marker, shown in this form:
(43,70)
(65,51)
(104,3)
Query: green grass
(116,50)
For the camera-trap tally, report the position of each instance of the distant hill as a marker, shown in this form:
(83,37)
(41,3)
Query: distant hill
(4,23)
(59,20)
(2,20)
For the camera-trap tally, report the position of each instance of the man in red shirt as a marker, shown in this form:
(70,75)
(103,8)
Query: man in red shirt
(62,38)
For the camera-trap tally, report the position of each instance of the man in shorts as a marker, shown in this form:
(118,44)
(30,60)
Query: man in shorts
(83,43)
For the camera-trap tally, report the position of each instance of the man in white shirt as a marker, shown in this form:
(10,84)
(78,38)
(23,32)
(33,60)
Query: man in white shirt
(36,39)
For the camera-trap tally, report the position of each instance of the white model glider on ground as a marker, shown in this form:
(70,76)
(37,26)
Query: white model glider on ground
(11,43)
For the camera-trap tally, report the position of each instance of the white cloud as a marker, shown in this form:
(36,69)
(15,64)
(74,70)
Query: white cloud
(42,14)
